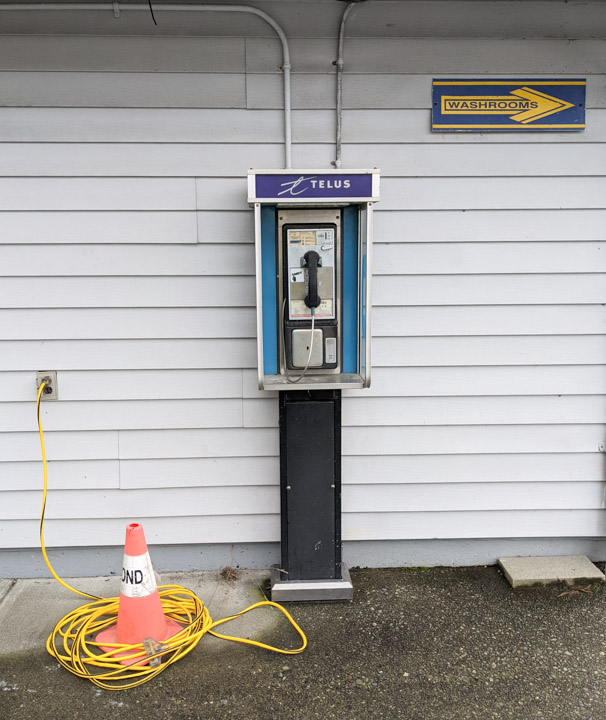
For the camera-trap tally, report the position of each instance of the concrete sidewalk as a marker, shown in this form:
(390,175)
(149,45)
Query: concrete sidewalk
(447,643)
(29,609)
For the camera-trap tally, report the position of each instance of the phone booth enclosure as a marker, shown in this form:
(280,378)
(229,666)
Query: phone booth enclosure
(313,244)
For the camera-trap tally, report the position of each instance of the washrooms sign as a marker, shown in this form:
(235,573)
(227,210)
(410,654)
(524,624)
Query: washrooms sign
(508,105)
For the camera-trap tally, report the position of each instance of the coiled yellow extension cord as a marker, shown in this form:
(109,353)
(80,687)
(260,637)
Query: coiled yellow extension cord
(72,642)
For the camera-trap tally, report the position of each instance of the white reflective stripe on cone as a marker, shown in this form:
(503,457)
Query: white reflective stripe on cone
(138,578)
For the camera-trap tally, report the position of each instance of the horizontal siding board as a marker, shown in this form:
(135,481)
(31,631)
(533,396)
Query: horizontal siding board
(98,323)
(198,472)
(140,444)
(155,159)
(453,497)
(470,524)
(243,442)
(530,289)
(425,160)
(443,55)
(127,292)
(486,320)
(122,54)
(137,384)
(97,194)
(231,160)
(493,192)
(366,91)
(62,475)
(439,381)
(482,226)
(472,439)
(25,446)
(356,526)
(529,410)
(182,125)
(198,443)
(413,126)
(167,502)
(410,258)
(103,260)
(158,531)
(128,354)
(123,414)
(151,385)
(411,411)
(123,89)
(505,350)
(359,469)
(83,125)
(498,468)
(251,500)
(497,380)
(446,193)
(40,227)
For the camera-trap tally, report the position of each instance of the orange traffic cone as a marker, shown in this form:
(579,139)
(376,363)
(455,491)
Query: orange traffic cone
(140,614)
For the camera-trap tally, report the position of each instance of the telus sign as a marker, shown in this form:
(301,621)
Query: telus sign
(313,186)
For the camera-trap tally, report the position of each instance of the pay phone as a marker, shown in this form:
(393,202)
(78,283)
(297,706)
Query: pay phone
(313,245)
(313,241)
(310,293)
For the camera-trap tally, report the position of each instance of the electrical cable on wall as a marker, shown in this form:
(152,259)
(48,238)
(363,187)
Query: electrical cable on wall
(72,641)
(151,9)
(339,64)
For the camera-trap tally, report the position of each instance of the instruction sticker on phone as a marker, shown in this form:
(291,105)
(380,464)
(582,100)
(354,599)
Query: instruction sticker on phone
(301,237)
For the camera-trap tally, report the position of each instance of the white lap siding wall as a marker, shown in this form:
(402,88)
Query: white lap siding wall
(126,264)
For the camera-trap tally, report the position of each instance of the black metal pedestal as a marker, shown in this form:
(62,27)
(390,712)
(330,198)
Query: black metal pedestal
(310,485)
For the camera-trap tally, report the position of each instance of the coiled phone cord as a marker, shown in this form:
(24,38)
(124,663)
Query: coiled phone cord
(311,347)
(72,642)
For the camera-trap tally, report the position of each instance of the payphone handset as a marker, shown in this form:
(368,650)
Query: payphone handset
(310,271)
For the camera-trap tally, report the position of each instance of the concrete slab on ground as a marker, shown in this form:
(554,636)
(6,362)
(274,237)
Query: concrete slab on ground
(5,586)
(30,609)
(569,569)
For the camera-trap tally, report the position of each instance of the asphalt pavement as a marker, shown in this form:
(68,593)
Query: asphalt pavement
(419,644)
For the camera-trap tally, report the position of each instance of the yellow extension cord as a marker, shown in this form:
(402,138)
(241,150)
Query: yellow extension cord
(71,642)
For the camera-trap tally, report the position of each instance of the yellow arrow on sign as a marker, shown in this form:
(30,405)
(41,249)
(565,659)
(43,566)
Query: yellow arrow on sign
(523,105)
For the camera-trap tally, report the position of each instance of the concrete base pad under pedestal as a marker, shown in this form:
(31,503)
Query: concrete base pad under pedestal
(569,569)
(310,590)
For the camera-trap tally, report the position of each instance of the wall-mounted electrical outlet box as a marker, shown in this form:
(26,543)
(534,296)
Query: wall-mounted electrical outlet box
(49,377)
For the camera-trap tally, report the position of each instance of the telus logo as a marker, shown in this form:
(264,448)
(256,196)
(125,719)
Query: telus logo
(302,184)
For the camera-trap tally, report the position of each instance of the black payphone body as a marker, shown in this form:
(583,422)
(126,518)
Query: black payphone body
(310,293)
